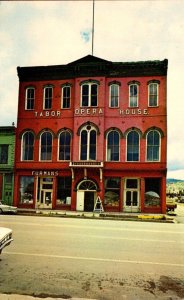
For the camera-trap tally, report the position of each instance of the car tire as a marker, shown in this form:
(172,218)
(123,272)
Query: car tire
(1,211)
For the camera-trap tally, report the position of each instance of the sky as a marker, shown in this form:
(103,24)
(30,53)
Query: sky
(38,33)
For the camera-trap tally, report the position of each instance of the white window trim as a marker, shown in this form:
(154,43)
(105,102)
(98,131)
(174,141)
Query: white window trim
(26,98)
(133,161)
(40,147)
(146,158)
(62,97)
(137,95)
(157,94)
(44,97)
(22,148)
(89,95)
(88,139)
(114,161)
(63,160)
(110,95)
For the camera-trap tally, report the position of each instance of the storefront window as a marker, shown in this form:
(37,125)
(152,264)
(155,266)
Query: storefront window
(112,191)
(152,192)
(26,190)
(64,190)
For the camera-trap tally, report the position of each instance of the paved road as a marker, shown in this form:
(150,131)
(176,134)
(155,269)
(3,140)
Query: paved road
(96,259)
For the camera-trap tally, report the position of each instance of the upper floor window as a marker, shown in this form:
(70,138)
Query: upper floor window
(3,154)
(46,146)
(153,145)
(30,98)
(133,95)
(133,146)
(27,146)
(88,143)
(66,96)
(153,94)
(48,94)
(113,146)
(114,95)
(89,94)
(64,145)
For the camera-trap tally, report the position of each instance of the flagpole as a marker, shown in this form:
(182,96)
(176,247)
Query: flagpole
(93,27)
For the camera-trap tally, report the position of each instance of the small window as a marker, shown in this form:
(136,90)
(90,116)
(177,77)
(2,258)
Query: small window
(48,91)
(89,95)
(66,97)
(114,95)
(133,95)
(153,94)
(3,154)
(30,98)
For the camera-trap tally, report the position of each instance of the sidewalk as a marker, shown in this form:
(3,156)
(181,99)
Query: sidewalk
(25,297)
(99,215)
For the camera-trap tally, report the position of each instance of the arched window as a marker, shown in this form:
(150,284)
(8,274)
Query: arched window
(64,145)
(88,143)
(133,146)
(113,146)
(114,95)
(46,146)
(27,146)
(153,145)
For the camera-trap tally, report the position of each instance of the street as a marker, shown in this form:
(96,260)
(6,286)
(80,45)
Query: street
(95,259)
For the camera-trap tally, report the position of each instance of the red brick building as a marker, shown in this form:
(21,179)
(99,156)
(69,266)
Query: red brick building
(92,128)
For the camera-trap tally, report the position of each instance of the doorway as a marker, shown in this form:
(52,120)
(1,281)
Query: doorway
(86,196)
(132,195)
(45,192)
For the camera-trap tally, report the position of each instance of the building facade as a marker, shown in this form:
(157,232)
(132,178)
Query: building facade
(92,128)
(7,152)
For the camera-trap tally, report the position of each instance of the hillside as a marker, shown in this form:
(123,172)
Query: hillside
(175,186)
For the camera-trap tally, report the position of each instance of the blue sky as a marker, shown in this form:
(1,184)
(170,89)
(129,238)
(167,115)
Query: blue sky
(58,32)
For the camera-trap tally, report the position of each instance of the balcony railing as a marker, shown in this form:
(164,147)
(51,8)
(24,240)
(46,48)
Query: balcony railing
(86,164)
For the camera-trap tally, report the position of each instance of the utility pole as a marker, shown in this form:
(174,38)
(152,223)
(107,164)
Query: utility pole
(93,26)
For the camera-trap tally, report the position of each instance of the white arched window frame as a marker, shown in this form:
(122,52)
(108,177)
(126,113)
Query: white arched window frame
(88,143)
(89,94)
(113,146)
(46,140)
(153,94)
(64,145)
(133,95)
(114,95)
(133,146)
(153,146)
(29,98)
(27,146)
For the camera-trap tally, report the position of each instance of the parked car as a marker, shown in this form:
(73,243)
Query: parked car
(181,199)
(171,204)
(5,237)
(7,209)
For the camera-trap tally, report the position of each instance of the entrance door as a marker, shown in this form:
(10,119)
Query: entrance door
(86,195)
(88,201)
(131,195)
(45,191)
